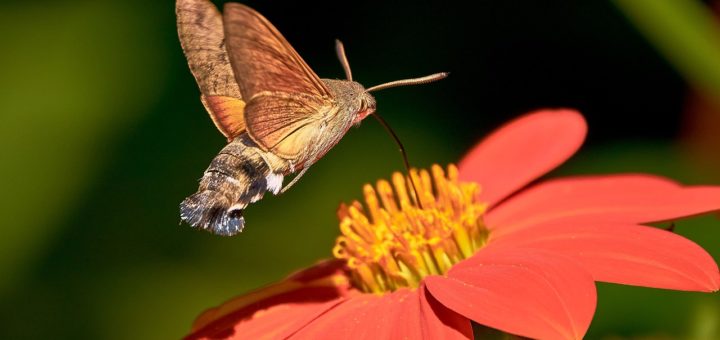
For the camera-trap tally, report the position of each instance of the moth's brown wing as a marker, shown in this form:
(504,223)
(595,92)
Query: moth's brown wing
(283,93)
(288,124)
(261,57)
(201,33)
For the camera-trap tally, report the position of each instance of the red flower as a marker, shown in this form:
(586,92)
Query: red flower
(521,262)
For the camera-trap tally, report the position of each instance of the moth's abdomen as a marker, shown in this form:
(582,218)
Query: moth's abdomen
(236,177)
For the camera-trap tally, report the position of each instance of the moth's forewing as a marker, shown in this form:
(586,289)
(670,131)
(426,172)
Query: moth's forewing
(261,57)
(201,33)
(284,95)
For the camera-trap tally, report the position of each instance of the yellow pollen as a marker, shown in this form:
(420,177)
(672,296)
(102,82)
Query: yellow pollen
(394,242)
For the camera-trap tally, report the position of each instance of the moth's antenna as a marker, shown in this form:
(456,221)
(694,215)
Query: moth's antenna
(414,81)
(340,49)
(402,152)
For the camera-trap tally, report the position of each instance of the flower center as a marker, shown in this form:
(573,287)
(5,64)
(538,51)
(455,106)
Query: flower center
(396,241)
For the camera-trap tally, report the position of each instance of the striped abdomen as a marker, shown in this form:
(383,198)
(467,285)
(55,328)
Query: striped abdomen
(237,176)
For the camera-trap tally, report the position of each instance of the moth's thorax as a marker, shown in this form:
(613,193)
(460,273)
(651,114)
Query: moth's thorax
(352,98)
(350,104)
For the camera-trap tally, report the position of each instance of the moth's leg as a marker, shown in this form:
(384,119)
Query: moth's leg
(295,179)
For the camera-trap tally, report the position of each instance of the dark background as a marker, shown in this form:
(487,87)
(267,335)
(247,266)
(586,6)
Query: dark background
(103,134)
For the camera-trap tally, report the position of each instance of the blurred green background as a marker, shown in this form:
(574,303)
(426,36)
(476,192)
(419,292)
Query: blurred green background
(102,135)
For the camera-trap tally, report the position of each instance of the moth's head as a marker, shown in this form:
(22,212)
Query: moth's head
(352,97)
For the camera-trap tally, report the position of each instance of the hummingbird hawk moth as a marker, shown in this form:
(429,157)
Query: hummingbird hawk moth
(278,116)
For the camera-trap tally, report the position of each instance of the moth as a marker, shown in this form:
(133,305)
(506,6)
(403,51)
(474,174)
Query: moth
(278,116)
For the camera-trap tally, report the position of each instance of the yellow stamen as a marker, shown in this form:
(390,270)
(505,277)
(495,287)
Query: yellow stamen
(396,241)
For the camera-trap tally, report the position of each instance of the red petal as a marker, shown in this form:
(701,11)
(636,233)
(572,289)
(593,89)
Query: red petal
(522,151)
(534,294)
(439,322)
(279,309)
(627,199)
(404,314)
(345,319)
(276,317)
(626,254)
